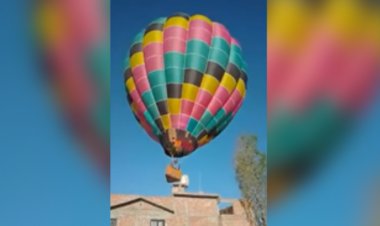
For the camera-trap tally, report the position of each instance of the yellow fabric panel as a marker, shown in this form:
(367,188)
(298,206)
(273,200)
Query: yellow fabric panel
(153,36)
(203,140)
(51,23)
(240,87)
(166,121)
(345,18)
(137,59)
(373,28)
(189,91)
(209,83)
(130,84)
(174,105)
(351,22)
(289,21)
(201,17)
(228,82)
(177,21)
(133,107)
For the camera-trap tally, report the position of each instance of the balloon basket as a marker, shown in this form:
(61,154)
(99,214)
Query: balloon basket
(172,174)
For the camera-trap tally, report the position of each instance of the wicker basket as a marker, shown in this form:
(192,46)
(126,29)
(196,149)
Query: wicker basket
(172,174)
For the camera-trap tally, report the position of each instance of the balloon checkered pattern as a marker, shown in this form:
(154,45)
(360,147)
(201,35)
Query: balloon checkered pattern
(185,80)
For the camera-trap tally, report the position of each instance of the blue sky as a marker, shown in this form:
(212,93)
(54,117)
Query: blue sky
(40,165)
(137,162)
(338,194)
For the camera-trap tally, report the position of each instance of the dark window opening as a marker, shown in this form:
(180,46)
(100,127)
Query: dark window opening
(113,222)
(226,208)
(156,222)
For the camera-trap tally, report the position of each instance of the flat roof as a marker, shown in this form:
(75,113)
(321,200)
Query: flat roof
(196,195)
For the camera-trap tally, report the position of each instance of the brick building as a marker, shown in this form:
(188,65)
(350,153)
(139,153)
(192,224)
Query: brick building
(180,209)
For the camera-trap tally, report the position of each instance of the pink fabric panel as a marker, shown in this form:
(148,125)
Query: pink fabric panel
(203,98)
(175,39)
(137,99)
(139,72)
(198,111)
(140,105)
(218,99)
(221,94)
(237,107)
(175,120)
(139,79)
(318,64)
(354,87)
(183,122)
(234,42)
(186,107)
(201,23)
(145,125)
(232,101)
(201,34)
(174,44)
(279,63)
(236,97)
(220,31)
(229,106)
(143,85)
(200,31)
(152,49)
(86,21)
(175,32)
(154,63)
(214,106)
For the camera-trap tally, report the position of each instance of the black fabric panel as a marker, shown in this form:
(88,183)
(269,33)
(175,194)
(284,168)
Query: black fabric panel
(215,70)
(138,120)
(213,132)
(244,77)
(179,14)
(154,26)
(174,90)
(135,49)
(127,74)
(193,76)
(202,134)
(159,124)
(234,71)
(162,107)
(129,98)
(217,133)
(181,133)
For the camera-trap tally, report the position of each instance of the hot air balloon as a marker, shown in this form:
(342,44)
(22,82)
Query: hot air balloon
(72,40)
(185,80)
(323,68)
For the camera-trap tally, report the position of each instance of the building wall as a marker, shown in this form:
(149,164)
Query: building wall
(188,211)
(196,206)
(138,214)
(233,220)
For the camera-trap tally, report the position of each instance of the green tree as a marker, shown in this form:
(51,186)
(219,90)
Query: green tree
(251,175)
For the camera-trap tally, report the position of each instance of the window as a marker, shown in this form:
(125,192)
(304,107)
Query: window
(113,222)
(226,208)
(157,222)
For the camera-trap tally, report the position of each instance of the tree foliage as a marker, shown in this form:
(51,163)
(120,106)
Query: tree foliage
(251,175)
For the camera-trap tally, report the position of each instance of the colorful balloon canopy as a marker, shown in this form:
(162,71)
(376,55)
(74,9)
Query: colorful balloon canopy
(73,42)
(322,71)
(185,80)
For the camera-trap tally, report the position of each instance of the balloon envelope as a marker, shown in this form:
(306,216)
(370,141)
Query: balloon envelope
(185,80)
